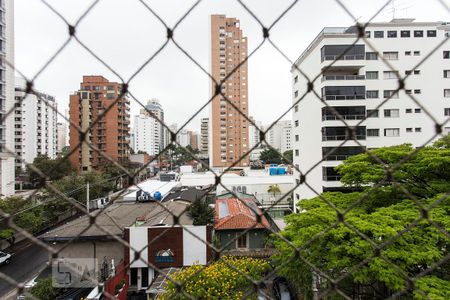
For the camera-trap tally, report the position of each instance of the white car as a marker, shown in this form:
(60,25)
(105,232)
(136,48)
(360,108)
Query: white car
(5,258)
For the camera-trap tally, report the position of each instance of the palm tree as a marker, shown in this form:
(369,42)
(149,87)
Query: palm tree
(274,189)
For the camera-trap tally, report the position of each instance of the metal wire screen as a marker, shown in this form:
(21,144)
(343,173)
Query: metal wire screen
(299,254)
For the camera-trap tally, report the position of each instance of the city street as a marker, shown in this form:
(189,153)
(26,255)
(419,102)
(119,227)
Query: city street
(25,264)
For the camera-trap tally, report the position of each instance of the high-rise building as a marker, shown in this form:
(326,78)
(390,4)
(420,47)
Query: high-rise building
(229,127)
(194,140)
(62,136)
(253,133)
(355,83)
(184,138)
(155,110)
(204,136)
(110,134)
(146,134)
(35,122)
(7,159)
(279,136)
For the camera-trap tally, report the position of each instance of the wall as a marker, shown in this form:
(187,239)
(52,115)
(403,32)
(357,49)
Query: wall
(256,238)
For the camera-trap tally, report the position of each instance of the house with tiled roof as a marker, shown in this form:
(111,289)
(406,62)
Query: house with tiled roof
(240,226)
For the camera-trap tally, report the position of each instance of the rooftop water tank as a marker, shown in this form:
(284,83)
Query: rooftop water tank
(157,196)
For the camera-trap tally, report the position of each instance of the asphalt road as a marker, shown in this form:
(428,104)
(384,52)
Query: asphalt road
(25,264)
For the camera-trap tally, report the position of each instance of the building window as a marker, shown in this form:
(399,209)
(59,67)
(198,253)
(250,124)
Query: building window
(296,152)
(408,72)
(431,33)
(371,56)
(373,132)
(390,93)
(372,113)
(378,34)
(296,79)
(416,53)
(390,75)
(446,112)
(372,95)
(405,33)
(408,110)
(417,110)
(392,34)
(408,92)
(417,92)
(409,129)
(372,75)
(416,72)
(447,93)
(418,129)
(296,123)
(446,73)
(391,113)
(296,108)
(367,34)
(418,33)
(242,241)
(296,138)
(390,132)
(407,53)
(296,94)
(391,55)
(446,54)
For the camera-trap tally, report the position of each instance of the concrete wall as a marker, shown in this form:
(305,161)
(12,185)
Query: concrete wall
(92,249)
(255,239)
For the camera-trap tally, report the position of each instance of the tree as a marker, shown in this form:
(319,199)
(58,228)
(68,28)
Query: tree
(271,156)
(274,189)
(201,212)
(44,289)
(384,211)
(53,169)
(218,280)
(289,156)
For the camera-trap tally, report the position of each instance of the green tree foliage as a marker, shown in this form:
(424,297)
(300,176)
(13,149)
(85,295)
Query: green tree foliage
(181,155)
(381,215)
(218,280)
(271,156)
(200,212)
(53,169)
(44,290)
(289,156)
(274,189)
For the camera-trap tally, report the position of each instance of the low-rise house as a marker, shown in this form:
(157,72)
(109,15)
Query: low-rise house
(99,240)
(236,226)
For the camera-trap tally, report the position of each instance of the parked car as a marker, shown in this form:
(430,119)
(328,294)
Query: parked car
(5,258)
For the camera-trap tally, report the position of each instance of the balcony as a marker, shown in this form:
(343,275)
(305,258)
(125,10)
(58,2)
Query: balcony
(341,153)
(343,112)
(342,52)
(330,174)
(340,133)
(344,92)
(343,77)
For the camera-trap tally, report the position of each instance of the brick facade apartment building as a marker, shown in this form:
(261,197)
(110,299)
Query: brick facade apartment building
(110,134)
(229,127)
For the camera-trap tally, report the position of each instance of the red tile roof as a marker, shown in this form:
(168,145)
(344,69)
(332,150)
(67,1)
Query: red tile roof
(237,215)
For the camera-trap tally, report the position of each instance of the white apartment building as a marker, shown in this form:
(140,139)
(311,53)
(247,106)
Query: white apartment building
(146,134)
(7,174)
(356,84)
(279,136)
(154,107)
(253,134)
(184,137)
(204,136)
(35,122)
(62,131)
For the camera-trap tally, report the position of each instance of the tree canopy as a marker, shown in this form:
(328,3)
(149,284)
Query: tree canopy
(372,252)
(201,212)
(53,169)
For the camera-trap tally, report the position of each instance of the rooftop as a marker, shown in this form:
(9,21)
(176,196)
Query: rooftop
(113,219)
(232,213)
(189,194)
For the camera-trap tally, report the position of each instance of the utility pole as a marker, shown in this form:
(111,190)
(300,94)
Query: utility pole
(87,196)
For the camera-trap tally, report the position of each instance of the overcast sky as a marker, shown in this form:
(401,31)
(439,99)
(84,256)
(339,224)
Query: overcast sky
(125,34)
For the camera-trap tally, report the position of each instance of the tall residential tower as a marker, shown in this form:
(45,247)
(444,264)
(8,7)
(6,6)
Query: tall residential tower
(110,134)
(355,82)
(229,127)
(7,177)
